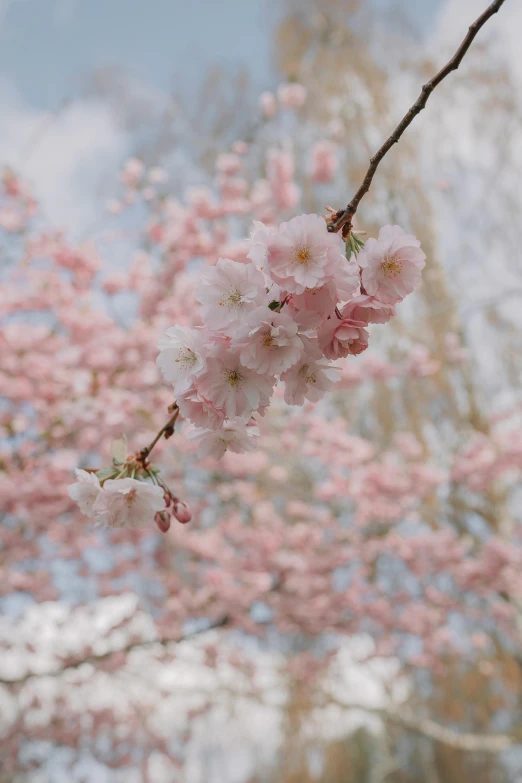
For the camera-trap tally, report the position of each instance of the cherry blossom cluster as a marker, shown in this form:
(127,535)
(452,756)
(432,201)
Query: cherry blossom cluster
(114,497)
(301,302)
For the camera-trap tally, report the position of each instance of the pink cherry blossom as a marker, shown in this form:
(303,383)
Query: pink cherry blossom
(368,309)
(299,255)
(391,265)
(314,306)
(347,280)
(85,491)
(267,104)
(202,412)
(127,503)
(269,341)
(132,172)
(292,95)
(340,337)
(157,176)
(181,355)
(234,436)
(228,291)
(310,378)
(323,161)
(230,385)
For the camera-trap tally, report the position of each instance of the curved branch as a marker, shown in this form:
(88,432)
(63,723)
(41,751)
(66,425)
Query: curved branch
(480,743)
(167,430)
(343,218)
(221,622)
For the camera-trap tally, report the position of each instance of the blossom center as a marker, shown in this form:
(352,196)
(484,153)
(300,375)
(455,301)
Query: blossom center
(268,339)
(310,377)
(234,299)
(234,378)
(186,359)
(302,254)
(130,497)
(391,267)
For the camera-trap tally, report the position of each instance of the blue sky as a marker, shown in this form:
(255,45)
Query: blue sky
(48,46)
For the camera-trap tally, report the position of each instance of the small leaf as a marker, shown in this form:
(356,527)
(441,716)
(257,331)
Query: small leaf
(274,305)
(119,450)
(354,244)
(106,473)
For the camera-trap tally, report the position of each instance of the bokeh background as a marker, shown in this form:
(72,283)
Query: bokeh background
(348,598)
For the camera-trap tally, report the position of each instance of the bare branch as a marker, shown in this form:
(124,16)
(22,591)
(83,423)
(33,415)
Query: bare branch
(167,430)
(484,743)
(343,218)
(221,622)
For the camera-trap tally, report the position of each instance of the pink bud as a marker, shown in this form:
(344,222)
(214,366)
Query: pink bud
(162,520)
(182,512)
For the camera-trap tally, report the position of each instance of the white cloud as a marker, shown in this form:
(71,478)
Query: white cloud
(70,158)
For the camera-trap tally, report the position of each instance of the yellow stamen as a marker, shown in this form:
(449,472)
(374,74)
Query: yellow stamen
(310,377)
(391,267)
(186,358)
(302,254)
(232,300)
(130,497)
(233,378)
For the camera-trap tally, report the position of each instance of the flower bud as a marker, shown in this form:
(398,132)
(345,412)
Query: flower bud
(182,512)
(162,520)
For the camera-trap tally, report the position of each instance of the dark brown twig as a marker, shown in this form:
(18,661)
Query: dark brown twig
(167,430)
(343,218)
(96,658)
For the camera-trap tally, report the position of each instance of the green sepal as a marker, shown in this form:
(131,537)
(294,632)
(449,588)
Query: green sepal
(354,245)
(107,473)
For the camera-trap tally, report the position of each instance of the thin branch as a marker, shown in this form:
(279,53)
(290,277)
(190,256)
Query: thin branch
(221,622)
(343,218)
(484,743)
(167,430)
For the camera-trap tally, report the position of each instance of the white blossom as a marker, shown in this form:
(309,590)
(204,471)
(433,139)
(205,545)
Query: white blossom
(229,385)
(127,503)
(180,355)
(269,341)
(235,436)
(85,491)
(311,377)
(228,291)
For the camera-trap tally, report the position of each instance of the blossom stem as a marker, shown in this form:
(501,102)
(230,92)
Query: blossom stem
(167,430)
(343,218)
